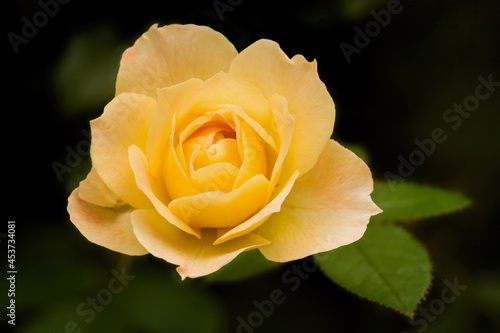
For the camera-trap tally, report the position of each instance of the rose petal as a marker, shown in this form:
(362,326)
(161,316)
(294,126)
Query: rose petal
(284,125)
(231,112)
(175,174)
(108,227)
(224,89)
(94,191)
(216,118)
(226,150)
(252,155)
(267,67)
(276,195)
(219,210)
(124,122)
(169,101)
(172,54)
(256,220)
(328,207)
(215,177)
(195,257)
(139,165)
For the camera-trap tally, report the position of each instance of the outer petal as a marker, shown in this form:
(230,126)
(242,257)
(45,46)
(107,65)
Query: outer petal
(328,207)
(108,227)
(172,54)
(125,122)
(196,257)
(94,191)
(267,67)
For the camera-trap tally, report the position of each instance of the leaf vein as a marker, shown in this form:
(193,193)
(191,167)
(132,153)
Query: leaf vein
(376,270)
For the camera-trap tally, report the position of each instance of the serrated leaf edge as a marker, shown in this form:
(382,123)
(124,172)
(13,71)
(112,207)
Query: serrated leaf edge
(422,298)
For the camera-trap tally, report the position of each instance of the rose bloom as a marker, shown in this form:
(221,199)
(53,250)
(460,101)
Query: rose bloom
(205,153)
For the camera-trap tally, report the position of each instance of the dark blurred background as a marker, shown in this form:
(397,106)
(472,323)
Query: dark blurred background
(395,89)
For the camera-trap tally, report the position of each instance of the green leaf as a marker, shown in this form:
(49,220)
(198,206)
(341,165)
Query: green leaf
(247,264)
(386,265)
(410,201)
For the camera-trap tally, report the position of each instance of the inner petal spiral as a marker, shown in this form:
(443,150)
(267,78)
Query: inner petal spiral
(220,156)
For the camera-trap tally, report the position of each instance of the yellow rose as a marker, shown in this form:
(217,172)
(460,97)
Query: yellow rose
(205,152)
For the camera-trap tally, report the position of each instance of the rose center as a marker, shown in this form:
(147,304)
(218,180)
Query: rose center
(211,144)
(223,176)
